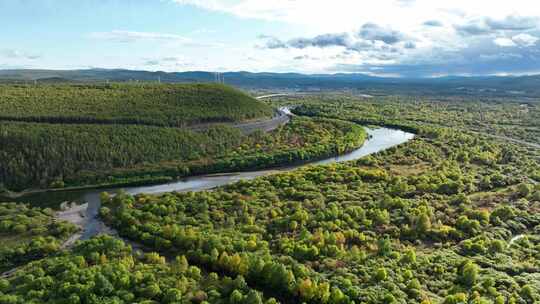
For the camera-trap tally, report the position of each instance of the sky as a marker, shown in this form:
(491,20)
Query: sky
(393,38)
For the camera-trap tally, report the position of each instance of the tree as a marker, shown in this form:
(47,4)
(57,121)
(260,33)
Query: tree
(151,291)
(180,264)
(337,296)
(469,274)
(154,258)
(458,298)
(103,287)
(499,299)
(236,297)
(423,223)
(239,283)
(381,274)
(527,292)
(4,285)
(523,190)
(536,196)
(409,257)
(384,246)
(10,299)
(306,289)
(253,297)
(172,295)
(389,299)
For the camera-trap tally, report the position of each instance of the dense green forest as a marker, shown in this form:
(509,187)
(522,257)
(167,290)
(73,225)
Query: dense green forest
(57,136)
(449,217)
(149,104)
(59,155)
(29,233)
(431,221)
(105,270)
(504,117)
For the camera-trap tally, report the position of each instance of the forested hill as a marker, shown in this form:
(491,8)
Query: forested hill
(486,86)
(174,105)
(74,135)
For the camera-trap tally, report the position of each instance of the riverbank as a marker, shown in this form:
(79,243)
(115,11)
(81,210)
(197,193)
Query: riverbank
(85,214)
(379,140)
(75,214)
(82,217)
(86,217)
(333,137)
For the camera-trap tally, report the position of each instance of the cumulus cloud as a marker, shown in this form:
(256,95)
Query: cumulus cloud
(476,27)
(522,40)
(525,39)
(339,15)
(321,41)
(478,58)
(374,32)
(273,42)
(370,37)
(512,23)
(488,25)
(504,42)
(395,33)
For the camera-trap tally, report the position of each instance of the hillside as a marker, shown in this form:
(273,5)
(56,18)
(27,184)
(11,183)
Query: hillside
(485,86)
(58,155)
(149,104)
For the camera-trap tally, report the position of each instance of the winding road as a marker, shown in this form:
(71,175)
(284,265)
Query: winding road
(280,118)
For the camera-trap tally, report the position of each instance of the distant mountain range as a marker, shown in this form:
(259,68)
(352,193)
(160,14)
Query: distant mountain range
(517,86)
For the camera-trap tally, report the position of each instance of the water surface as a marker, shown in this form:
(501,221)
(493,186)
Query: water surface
(379,139)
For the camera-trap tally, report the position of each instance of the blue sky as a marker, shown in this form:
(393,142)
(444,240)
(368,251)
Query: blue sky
(387,37)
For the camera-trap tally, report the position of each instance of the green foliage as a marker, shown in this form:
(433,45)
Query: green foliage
(468,274)
(118,277)
(29,233)
(56,155)
(173,105)
(435,220)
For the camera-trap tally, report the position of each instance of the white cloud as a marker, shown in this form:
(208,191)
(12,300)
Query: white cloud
(132,36)
(398,33)
(121,36)
(504,42)
(386,36)
(169,63)
(339,15)
(16,54)
(525,39)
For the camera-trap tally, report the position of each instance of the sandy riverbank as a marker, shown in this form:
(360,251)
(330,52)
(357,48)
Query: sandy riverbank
(75,214)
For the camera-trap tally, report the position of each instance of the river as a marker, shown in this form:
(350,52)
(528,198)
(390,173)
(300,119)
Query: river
(379,139)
